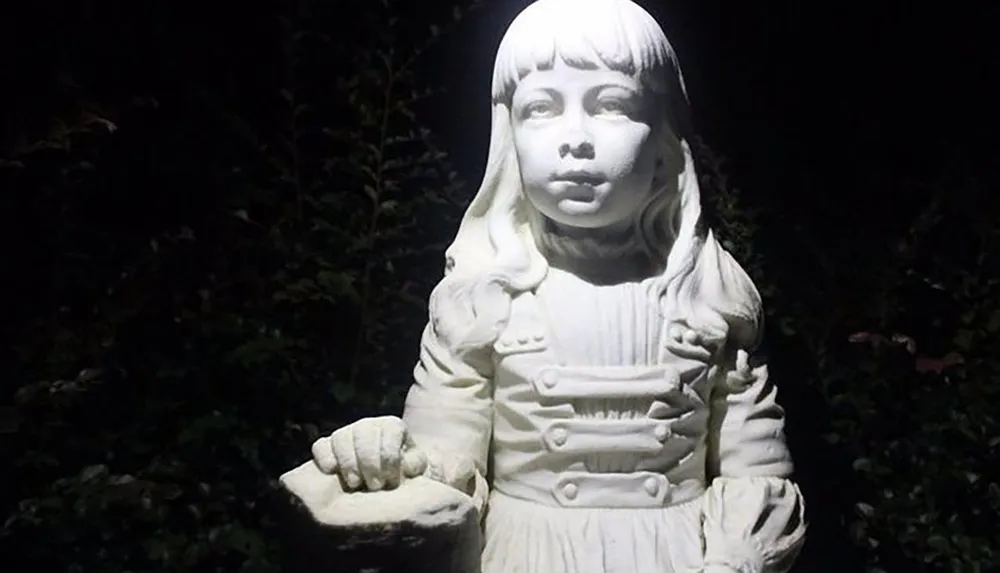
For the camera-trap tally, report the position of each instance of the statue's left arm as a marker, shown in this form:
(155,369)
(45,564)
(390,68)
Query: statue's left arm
(449,414)
(754,515)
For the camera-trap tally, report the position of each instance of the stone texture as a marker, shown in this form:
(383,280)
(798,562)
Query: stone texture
(406,547)
(422,525)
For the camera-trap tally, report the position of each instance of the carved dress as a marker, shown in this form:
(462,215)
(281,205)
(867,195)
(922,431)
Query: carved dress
(609,449)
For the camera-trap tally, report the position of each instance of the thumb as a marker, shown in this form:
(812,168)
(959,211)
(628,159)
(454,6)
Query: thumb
(414,459)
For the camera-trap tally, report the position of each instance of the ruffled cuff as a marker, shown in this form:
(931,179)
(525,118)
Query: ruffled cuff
(460,473)
(753,524)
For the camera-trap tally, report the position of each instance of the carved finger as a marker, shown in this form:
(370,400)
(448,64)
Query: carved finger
(368,446)
(675,332)
(322,451)
(347,459)
(393,441)
(692,337)
(414,459)
(683,350)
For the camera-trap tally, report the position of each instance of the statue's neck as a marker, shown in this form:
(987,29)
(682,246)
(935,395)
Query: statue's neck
(608,255)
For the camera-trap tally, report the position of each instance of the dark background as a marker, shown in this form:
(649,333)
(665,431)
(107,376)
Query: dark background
(848,126)
(827,110)
(822,107)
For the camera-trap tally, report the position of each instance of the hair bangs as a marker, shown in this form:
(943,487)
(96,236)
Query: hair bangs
(610,34)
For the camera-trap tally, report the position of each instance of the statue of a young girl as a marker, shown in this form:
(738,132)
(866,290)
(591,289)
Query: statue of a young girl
(587,376)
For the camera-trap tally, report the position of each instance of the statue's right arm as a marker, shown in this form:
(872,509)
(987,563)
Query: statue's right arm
(449,414)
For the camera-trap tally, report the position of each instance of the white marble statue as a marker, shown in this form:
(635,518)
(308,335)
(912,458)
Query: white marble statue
(587,380)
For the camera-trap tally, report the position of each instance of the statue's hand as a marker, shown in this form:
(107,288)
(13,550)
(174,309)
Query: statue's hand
(374,453)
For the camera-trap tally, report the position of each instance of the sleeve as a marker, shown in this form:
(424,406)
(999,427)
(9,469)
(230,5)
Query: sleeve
(449,415)
(754,515)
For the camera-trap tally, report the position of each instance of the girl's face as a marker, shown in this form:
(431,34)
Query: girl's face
(585,145)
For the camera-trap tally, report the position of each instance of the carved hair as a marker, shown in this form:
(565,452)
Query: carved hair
(494,255)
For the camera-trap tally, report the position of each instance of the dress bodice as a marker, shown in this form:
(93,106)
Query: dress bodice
(589,430)
(590,408)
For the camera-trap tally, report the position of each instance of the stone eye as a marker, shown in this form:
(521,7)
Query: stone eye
(612,106)
(539,109)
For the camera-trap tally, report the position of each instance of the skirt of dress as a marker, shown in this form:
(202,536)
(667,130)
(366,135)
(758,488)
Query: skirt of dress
(526,537)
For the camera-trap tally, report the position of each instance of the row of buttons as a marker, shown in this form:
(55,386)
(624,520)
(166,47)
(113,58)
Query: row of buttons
(606,382)
(651,486)
(521,342)
(560,434)
(641,489)
(595,436)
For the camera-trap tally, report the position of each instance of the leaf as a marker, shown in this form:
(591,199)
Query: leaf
(862,465)
(994,493)
(89,374)
(865,509)
(337,284)
(90,473)
(866,337)
(938,365)
(904,340)
(938,543)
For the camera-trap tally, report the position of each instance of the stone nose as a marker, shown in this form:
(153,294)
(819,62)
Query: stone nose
(576,141)
(579,149)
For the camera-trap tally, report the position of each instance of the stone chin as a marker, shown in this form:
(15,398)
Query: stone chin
(583,208)
(584,214)
(578,212)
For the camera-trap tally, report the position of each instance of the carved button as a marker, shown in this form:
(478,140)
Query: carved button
(652,486)
(549,379)
(538,337)
(505,343)
(570,490)
(523,339)
(662,432)
(559,436)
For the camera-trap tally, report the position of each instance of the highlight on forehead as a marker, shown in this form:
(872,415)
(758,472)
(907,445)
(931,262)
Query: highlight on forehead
(588,34)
